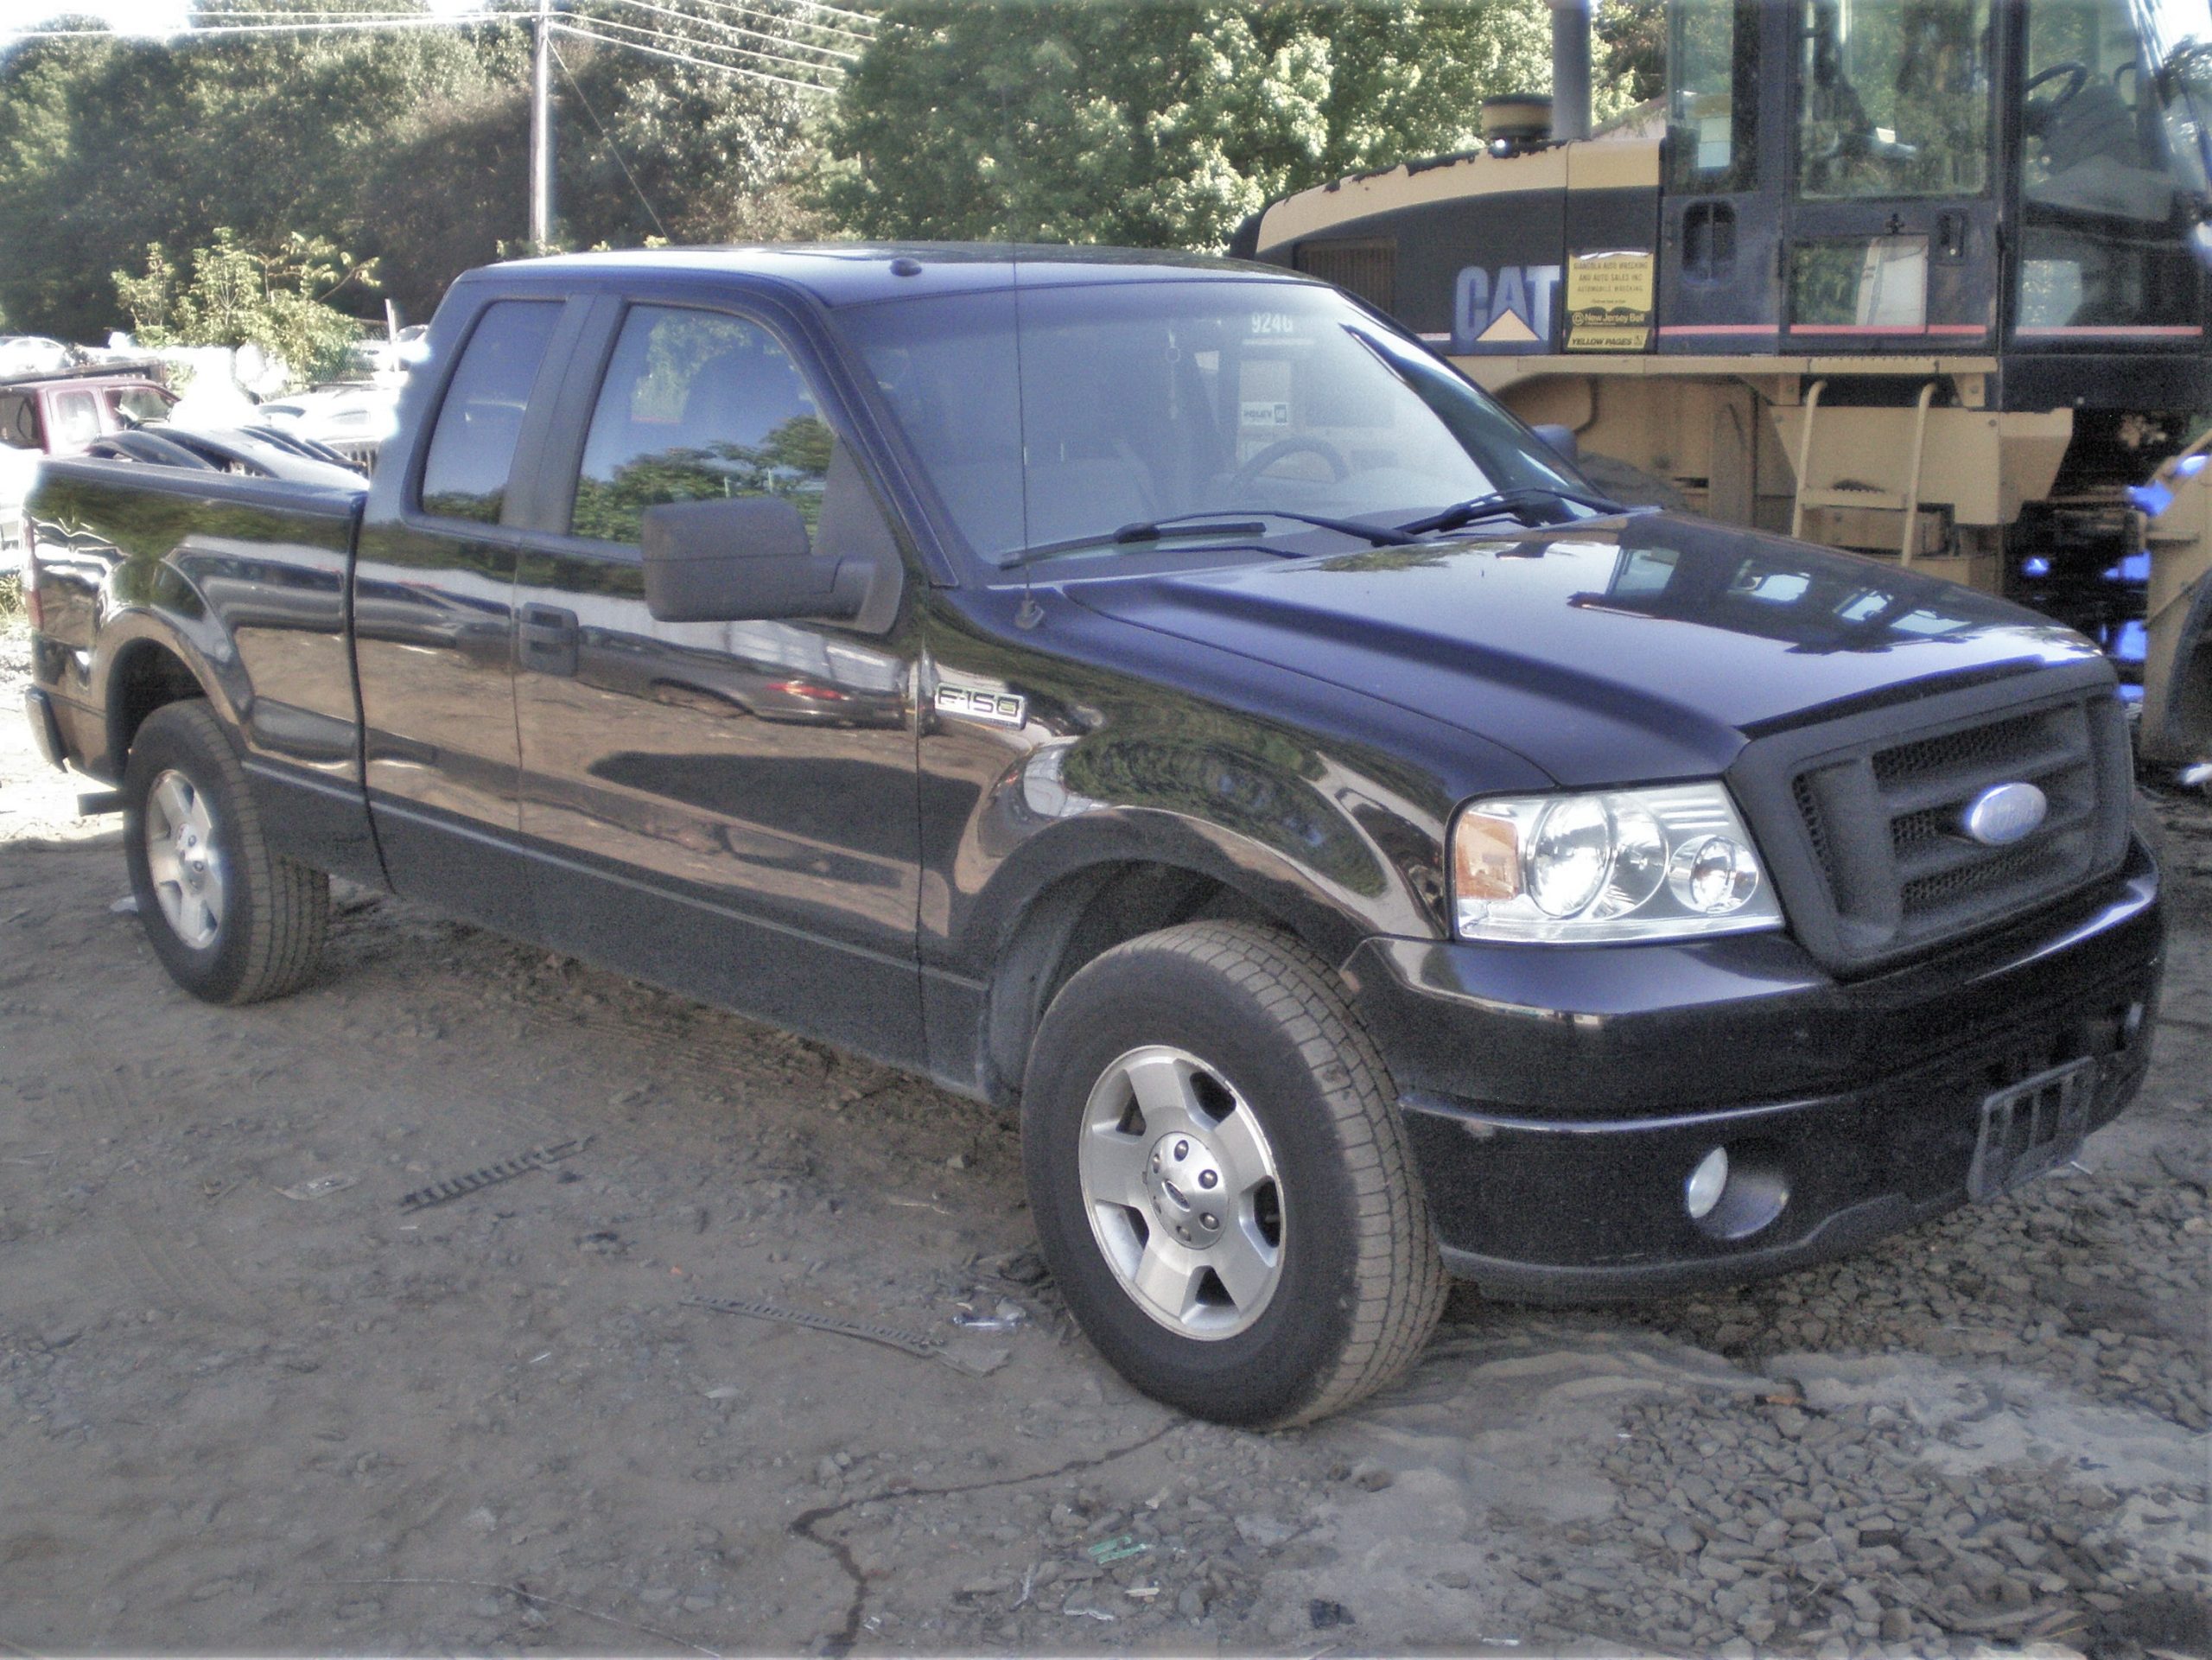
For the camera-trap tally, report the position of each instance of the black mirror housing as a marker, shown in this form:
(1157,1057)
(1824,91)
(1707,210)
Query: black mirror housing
(1561,441)
(743,559)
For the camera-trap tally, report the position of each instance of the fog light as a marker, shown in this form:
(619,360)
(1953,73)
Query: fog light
(1702,1191)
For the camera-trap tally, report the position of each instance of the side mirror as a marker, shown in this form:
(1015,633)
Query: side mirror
(1561,441)
(742,560)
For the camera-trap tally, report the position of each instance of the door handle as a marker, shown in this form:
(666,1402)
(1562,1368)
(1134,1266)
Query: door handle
(549,639)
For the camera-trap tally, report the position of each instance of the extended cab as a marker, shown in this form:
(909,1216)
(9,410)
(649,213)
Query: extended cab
(1156,694)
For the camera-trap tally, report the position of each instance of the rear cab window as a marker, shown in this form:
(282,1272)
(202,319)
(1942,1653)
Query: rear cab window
(479,425)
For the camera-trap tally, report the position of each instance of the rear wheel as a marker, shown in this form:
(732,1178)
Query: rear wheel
(231,921)
(1220,1180)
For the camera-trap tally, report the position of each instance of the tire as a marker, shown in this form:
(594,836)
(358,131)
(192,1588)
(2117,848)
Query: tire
(231,921)
(1220,1058)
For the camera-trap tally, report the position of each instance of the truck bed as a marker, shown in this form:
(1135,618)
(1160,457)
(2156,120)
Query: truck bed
(247,577)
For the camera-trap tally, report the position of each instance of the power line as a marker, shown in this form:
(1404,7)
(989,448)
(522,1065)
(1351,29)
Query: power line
(858,17)
(662,38)
(577,87)
(701,22)
(795,23)
(571,31)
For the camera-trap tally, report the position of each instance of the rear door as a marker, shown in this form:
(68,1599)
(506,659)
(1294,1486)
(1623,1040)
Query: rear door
(725,808)
(434,619)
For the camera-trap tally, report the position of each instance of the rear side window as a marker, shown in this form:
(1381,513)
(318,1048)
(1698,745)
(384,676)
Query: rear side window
(19,421)
(76,419)
(698,406)
(473,445)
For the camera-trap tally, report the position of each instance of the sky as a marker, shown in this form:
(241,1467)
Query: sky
(144,16)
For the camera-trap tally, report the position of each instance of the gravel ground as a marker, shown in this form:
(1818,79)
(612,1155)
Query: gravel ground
(253,1403)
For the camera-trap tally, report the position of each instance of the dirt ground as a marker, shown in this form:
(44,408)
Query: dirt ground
(250,1401)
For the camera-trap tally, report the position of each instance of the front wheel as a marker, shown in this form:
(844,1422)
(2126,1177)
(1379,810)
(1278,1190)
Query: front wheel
(1220,1180)
(231,921)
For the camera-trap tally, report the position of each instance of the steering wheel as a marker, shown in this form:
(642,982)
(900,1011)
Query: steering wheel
(2078,77)
(1334,458)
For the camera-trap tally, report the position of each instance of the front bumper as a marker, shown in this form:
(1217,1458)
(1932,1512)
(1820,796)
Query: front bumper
(1557,1100)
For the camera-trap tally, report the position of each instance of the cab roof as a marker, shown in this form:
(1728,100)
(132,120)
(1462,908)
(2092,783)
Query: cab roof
(855,273)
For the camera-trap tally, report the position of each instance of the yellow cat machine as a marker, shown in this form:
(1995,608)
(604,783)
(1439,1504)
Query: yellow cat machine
(1925,279)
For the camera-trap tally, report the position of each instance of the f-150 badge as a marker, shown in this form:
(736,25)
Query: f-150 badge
(977,704)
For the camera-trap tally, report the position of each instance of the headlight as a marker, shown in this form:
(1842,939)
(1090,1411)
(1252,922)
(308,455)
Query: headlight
(1620,864)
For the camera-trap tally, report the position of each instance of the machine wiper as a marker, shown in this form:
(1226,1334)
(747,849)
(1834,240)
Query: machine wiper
(1523,504)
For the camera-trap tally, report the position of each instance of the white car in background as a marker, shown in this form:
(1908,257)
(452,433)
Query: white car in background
(33,354)
(353,418)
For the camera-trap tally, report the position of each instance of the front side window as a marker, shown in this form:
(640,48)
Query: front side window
(698,406)
(1065,415)
(1893,99)
(480,424)
(134,406)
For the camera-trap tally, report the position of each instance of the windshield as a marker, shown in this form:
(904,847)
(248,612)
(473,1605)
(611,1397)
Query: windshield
(1059,416)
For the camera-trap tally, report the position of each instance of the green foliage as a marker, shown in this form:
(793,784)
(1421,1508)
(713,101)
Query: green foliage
(233,296)
(1156,125)
(15,618)
(1631,54)
(792,462)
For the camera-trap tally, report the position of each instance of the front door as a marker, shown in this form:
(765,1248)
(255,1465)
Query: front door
(725,808)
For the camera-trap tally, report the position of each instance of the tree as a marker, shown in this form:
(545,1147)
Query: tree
(1157,125)
(1631,51)
(110,144)
(651,148)
(228,295)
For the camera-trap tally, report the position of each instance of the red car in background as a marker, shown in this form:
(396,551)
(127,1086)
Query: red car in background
(64,413)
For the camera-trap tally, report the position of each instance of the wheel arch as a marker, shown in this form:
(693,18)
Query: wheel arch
(144,673)
(1087,909)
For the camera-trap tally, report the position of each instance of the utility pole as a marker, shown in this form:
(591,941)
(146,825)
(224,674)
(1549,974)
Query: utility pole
(540,129)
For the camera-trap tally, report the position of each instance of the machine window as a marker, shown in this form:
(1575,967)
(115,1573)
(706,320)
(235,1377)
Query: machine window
(2114,160)
(697,406)
(1894,98)
(1712,99)
(473,445)
(1860,284)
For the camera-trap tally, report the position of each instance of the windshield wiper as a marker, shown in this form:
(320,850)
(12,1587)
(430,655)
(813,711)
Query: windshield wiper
(1515,502)
(1228,521)
(1380,536)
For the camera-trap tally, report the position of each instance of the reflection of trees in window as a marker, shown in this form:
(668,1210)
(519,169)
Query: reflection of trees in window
(792,462)
(1895,99)
(1714,106)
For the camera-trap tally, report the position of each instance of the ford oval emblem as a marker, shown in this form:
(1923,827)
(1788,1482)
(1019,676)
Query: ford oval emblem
(2004,813)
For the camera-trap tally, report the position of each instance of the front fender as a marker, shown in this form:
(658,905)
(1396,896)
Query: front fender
(1302,836)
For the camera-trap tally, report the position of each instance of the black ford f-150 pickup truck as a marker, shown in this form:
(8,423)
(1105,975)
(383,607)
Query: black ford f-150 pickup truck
(1158,694)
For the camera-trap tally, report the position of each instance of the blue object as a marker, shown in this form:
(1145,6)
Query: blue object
(2189,466)
(2128,645)
(2035,565)
(2152,498)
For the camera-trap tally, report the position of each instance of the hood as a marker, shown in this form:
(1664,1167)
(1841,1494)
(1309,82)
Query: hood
(1630,650)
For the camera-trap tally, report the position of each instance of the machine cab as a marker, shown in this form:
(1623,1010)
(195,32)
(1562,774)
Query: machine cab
(2026,177)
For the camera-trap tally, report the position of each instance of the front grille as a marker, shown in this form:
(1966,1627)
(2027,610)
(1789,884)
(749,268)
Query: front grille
(1886,865)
